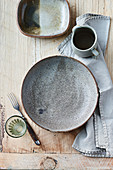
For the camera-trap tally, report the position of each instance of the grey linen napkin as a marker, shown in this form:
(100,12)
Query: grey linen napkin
(96,138)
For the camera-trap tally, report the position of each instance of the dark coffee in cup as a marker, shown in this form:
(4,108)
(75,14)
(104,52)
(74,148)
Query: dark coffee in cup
(83,38)
(84,41)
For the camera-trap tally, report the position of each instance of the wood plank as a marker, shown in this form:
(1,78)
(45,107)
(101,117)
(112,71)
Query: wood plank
(109,50)
(17,56)
(53,161)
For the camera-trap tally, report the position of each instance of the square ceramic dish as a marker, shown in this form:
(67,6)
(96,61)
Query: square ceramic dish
(43,18)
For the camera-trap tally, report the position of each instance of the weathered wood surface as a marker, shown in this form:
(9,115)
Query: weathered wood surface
(53,161)
(17,54)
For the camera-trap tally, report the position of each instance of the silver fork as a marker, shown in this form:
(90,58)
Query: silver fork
(15,105)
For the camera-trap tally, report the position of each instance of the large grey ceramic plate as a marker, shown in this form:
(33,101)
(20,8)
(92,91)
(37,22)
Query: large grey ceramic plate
(59,93)
(43,18)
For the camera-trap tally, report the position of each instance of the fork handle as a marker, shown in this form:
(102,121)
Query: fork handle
(32,133)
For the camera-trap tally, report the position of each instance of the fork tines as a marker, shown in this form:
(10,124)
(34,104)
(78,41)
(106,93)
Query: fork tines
(13,100)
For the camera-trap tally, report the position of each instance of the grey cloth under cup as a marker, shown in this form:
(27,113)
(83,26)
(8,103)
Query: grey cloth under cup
(96,139)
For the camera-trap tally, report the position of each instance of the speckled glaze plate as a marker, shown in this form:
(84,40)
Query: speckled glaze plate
(43,18)
(59,93)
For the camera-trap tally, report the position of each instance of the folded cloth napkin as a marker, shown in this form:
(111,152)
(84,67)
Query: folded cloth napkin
(96,138)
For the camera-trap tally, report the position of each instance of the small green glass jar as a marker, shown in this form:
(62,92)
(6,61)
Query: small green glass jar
(15,126)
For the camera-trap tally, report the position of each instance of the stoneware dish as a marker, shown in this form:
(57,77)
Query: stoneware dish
(43,18)
(15,126)
(59,93)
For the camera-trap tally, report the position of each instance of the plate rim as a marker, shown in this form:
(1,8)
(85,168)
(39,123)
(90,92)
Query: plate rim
(44,36)
(97,91)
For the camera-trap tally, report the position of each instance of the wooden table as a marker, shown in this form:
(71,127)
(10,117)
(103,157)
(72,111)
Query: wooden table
(17,54)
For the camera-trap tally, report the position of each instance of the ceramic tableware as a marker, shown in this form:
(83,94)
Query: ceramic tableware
(16,106)
(59,93)
(84,41)
(15,126)
(43,18)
